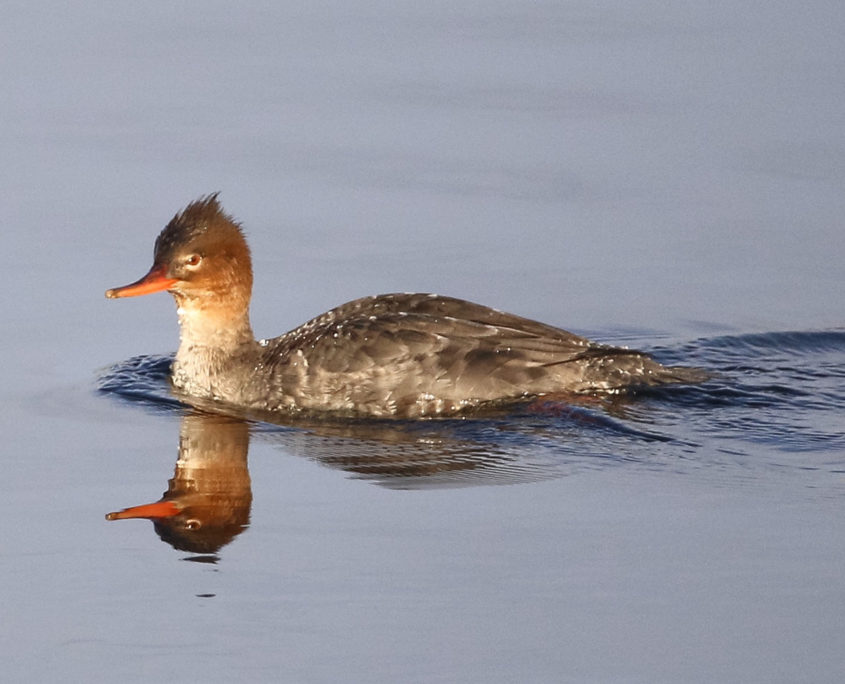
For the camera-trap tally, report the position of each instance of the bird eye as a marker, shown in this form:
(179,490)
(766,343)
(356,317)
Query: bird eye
(193,260)
(193,524)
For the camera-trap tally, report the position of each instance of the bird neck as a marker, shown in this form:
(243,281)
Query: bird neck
(220,326)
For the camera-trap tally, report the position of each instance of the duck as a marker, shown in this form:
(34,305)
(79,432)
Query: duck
(400,355)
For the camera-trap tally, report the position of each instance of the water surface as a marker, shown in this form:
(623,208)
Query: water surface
(667,178)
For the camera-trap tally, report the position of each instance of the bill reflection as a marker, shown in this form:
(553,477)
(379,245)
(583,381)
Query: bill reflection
(208,499)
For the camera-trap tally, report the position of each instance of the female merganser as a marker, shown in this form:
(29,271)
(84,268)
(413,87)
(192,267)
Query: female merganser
(394,355)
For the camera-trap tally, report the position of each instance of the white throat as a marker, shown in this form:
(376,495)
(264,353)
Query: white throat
(214,344)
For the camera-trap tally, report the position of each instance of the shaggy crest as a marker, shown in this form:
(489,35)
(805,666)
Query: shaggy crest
(200,217)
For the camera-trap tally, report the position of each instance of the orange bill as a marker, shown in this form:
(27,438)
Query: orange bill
(159,509)
(155,281)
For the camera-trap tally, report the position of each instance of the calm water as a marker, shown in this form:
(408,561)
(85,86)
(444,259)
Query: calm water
(667,178)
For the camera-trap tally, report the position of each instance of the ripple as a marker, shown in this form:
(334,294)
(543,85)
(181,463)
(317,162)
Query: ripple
(144,379)
(775,406)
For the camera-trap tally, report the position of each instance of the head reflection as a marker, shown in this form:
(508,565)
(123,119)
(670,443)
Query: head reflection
(208,499)
(207,503)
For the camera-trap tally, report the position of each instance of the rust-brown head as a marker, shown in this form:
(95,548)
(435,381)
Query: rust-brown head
(200,522)
(200,254)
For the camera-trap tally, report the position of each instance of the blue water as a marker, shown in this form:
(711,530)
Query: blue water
(665,176)
(704,517)
(775,404)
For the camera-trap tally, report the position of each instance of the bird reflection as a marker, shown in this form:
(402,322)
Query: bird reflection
(207,503)
(208,499)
